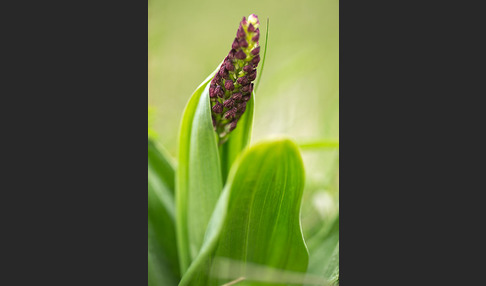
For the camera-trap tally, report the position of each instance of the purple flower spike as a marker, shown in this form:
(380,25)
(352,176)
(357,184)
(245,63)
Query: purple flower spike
(229,96)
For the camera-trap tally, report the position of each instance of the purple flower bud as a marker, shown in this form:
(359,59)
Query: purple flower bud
(235,44)
(211,92)
(255,51)
(255,60)
(243,43)
(240,33)
(228,84)
(219,91)
(248,68)
(218,108)
(215,80)
(237,96)
(251,28)
(228,103)
(245,88)
(240,55)
(223,72)
(230,113)
(243,21)
(257,36)
(252,75)
(232,125)
(231,54)
(253,16)
(242,80)
(241,107)
(246,98)
(229,65)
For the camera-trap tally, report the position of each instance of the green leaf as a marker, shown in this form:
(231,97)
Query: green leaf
(256,220)
(199,180)
(163,265)
(324,251)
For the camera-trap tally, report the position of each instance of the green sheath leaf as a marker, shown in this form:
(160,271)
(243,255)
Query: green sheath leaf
(199,180)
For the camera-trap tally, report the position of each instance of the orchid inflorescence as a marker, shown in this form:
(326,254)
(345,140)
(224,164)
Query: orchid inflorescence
(232,86)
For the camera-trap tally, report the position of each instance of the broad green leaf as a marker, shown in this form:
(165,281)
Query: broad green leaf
(163,265)
(199,180)
(256,221)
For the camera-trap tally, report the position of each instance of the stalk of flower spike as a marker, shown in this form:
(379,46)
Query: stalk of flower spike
(231,87)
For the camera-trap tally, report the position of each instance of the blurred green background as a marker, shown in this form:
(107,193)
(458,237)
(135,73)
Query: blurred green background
(298,94)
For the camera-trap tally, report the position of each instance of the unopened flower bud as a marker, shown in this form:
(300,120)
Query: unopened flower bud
(223,72)
(255,60)
(229,85)
(252,75)
(257,36)
(231,54)
(229,66)
(240,55)
(246,98)
(235,44)
(218,108)
(241,107)
(232,125)
(237,96)
(242,80)
(248,68)
(228,103)
(211,92)
(230,113)
(245,88)
(255,51)
(219,91)
(240,33)
(243,43)
(251,28)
